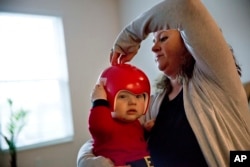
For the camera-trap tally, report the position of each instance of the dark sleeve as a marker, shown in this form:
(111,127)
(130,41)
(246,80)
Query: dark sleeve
(100,102)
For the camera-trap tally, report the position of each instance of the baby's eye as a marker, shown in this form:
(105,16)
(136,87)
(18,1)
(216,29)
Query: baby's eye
(140,96)
(162,39)
(122,96)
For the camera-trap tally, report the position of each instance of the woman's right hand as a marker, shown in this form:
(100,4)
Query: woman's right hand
(118,58)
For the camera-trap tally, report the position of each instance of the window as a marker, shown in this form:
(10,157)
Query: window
(33,74)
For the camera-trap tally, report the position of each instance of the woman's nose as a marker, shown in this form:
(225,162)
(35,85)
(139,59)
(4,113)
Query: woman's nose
(155,47)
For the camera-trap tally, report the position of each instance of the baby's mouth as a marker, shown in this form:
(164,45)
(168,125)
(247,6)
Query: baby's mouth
(131,111)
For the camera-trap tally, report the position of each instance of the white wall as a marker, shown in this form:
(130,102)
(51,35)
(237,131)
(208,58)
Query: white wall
(233,18)
(90,28)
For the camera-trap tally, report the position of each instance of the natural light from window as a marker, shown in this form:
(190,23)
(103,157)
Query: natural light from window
(33,74)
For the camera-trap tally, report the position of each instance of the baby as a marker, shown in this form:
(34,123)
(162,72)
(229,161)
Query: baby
(119,99)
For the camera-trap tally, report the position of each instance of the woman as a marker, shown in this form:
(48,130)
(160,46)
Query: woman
(171,131)
(208,98)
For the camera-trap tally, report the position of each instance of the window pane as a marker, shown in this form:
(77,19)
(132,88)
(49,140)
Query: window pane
(33,74)
(30,46)
(43,100)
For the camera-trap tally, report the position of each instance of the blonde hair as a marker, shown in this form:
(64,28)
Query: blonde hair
(162,82)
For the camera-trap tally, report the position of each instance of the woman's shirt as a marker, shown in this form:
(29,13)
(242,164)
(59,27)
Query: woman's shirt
(172,141)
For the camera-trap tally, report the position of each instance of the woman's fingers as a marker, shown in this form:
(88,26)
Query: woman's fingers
(126,58)
(114,58)
(118,58)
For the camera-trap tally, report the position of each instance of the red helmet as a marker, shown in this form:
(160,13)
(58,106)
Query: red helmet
(125,77)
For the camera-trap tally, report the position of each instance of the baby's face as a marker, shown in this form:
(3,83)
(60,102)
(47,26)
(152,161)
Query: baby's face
(128,106)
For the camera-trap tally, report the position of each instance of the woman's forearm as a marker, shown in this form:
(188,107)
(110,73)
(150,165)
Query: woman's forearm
(86,158)
(201,34)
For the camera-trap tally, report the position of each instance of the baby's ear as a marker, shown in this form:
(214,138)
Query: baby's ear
(102,81)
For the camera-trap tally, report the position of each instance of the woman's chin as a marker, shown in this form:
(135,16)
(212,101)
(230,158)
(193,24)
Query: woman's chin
(160,67)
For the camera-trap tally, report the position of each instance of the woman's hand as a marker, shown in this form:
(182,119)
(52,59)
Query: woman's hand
(118,58)
(149,125)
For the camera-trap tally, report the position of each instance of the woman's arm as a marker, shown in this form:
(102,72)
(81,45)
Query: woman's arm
(189,16)
(199,31)
(201,34)
(86,158)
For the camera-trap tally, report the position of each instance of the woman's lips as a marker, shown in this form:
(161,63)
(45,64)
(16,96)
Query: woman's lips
(157,57)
